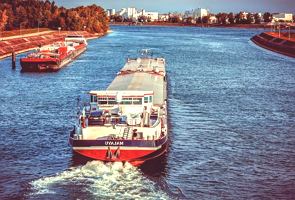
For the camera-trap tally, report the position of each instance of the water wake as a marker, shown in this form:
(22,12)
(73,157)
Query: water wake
(96,179)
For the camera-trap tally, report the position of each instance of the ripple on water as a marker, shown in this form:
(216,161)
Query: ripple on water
(97,179)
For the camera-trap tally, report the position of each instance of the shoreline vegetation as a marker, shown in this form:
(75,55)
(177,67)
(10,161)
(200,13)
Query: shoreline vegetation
(245,26)
(26,14)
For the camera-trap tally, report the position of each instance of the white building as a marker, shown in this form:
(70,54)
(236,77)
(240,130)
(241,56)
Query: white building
(163,17)
(153,16)
(132,13)
(286,17)
(122,11)
(196,13)
(200,12)
(212,20)
(244,15)
(111,12)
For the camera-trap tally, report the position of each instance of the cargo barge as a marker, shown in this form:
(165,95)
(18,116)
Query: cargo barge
(128,121)
(53,57)
(275,43)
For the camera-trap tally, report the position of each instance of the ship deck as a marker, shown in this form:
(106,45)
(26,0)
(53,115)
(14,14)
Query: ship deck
(104,132)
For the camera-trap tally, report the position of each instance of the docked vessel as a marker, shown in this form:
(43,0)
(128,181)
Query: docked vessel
(53,57)
(128,121)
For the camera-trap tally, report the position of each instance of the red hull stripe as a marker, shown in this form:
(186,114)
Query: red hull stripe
(125,155)
(121,147)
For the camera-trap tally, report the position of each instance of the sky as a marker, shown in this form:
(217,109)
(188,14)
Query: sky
(215,6)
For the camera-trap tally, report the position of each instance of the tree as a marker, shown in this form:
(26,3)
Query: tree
(3,20)
(250,18)
(189,20)
(33,13)
(142,18)
(222,18)
(205,19)
(231,18)
(174,19)
(241,18)
(267,17)
(257,18)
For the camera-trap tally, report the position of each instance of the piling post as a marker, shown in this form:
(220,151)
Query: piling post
(13,59)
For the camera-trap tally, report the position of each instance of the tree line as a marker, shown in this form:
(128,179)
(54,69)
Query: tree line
(16,14)
(221,18)
(232,18)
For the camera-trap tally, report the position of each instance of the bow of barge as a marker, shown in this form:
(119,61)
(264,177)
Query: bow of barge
(128,121)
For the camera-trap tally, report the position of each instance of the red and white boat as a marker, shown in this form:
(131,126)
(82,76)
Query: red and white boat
(128,121)
(53,57)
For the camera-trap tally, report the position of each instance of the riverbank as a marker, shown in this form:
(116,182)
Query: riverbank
(243,26)
(279,43)
(30,41)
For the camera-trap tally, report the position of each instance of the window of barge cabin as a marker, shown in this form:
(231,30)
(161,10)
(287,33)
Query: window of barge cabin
(146,99)
(137,101)
(151,99)
(127,101)
(102,100)
(93,98)
(112,101)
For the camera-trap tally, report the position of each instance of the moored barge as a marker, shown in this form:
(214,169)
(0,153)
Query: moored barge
(128,121)
(53,57)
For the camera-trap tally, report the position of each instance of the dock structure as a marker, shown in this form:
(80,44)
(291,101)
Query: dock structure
(13,60)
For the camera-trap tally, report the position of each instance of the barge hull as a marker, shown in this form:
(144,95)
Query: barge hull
(49,66)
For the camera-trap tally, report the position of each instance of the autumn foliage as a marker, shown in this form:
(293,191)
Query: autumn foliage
(15,14)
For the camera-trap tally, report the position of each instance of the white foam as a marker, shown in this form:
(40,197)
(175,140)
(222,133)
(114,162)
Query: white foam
(112,180)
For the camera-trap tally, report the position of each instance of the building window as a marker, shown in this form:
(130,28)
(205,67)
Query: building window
(93,98)
(146,99)
(151,99)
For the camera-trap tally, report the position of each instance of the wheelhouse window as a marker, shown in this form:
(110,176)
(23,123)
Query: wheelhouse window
(151,99)
(102,100)
(93,98)
(137,101)
(112,101)
(146,99)
(127,101)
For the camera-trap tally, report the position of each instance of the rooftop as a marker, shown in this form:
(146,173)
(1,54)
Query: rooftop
(142,74)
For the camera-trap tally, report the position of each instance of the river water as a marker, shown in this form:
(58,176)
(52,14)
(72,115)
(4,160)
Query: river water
(231,116)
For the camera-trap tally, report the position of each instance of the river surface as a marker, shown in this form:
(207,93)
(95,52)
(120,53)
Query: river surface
(231,116)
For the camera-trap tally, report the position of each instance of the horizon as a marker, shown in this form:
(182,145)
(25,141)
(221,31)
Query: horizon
(214,6)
